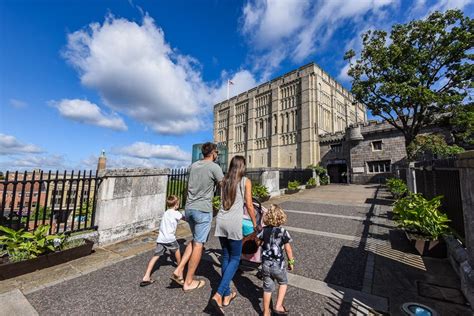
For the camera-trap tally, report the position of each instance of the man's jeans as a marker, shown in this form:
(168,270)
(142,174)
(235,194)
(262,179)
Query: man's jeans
(200,224)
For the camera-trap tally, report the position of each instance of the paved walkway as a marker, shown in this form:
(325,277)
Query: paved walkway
(345,265)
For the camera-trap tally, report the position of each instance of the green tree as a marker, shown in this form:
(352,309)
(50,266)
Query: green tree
(422,69)
(434,145)
(462,125)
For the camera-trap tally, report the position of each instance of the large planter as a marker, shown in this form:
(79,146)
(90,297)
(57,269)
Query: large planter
(263,199)
(13,269)
(289,191)
(427,248)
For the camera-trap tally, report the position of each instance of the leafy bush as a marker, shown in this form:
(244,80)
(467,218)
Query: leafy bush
(259,191)
(311,182)
(293,185)
(397,187)
(322,174)
(417,214)
(216,202)
(20,245)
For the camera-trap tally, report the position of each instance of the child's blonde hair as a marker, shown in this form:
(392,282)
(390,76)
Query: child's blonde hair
(172,201)
(275,216)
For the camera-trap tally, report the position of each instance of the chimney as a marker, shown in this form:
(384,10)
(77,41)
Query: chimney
(102,161)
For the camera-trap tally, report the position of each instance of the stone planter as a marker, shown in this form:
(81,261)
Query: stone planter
(427,248)
(263,199)
(12,269)
(289,191)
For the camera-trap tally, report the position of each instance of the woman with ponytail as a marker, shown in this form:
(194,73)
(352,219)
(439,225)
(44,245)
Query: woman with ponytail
(236,191)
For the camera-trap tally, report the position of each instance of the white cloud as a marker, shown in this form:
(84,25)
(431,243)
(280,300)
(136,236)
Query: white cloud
(147,151)
(310,25)
(242,81)
(89,113)
(18,103)
(34,162)
(343,76)
(422,9)
(121,162)
(10,145)
(136,72)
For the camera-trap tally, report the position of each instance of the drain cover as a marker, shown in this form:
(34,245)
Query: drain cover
(417,309)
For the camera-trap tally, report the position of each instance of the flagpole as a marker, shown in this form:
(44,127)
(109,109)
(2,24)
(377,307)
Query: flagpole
(228,84)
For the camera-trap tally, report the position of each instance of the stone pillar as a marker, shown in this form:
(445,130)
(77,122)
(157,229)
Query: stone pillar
(411,177)
(102,163)
(130,202)
(465,164)
(270,178)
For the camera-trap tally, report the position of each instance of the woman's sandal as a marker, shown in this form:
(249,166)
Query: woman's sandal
(145,283)
(177,279)
(217,308)
(285,312)
(200,284)
(232,295)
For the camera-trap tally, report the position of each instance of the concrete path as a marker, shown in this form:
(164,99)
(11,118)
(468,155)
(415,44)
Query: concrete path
(345,265)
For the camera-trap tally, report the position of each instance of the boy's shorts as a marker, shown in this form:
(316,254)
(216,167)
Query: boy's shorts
(272,271)
(200,224)
(162,247)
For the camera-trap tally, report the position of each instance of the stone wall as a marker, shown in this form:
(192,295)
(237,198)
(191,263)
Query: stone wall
(130,202)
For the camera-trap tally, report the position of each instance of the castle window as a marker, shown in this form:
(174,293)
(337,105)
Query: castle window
(377,145)
(336,148)
(380,166)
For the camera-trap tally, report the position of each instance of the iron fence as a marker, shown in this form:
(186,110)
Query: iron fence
(65,201)
(254,176)
(178,184)
(439,177)
(301,175)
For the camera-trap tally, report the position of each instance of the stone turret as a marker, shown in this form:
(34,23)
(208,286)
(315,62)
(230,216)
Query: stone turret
(101,165)
(353,133)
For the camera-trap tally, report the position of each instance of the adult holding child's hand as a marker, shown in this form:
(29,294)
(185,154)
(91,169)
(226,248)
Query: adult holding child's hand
(236,191)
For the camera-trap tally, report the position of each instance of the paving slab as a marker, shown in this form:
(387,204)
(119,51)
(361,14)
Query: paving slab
(317,207)
(14,303)
(327,224)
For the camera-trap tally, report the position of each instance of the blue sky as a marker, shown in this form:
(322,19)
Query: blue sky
(139,78)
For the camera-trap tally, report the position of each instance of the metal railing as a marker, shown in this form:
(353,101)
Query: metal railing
(178,184)
(65,201)
(301,175)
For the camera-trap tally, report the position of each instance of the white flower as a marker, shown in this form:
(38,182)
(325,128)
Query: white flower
(56,242)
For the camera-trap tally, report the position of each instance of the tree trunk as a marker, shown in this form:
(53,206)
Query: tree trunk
(408,140)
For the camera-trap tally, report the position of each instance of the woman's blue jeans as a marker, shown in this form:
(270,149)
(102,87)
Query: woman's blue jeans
(231,252)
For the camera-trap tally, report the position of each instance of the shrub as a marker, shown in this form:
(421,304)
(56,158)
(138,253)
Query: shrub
(397,187)
(322,174)
(419,215)
(311,182)
(293,185)
(216,202)
(20,245)
(259,191)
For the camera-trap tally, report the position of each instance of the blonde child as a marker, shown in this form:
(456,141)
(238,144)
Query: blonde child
(275,238)
(166,238)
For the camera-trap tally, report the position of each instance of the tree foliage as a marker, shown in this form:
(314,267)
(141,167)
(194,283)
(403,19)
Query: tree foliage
(462,125)
(432,146)
(422,69)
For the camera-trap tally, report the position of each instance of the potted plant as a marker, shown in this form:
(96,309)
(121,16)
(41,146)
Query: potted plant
(216,205)
(260,192)
(24,252)
(311,184)
(293,187)
(423,223)
(397,187)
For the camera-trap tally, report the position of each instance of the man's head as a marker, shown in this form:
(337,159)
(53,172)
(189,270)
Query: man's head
(209,151)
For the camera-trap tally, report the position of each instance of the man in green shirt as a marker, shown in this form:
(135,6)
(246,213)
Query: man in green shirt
(203,175)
